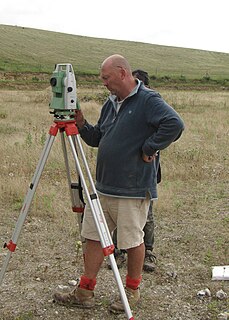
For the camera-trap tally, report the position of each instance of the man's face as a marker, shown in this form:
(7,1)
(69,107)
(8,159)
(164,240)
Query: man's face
(112,78)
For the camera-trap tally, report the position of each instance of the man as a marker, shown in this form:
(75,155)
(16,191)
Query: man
(135,122)
(150,259)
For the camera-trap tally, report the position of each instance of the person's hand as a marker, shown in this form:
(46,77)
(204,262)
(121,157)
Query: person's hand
(148,158)
(80,121)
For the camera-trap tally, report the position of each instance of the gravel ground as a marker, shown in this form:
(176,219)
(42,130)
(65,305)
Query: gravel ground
(47,256)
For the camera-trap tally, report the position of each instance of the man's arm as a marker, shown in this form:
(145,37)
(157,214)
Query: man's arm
(90,134)
(168,123)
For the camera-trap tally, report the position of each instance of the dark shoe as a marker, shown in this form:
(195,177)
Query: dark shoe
(133,297)
(120,258)
(78,297)
(149,262)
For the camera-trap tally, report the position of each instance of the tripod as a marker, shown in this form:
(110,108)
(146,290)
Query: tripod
(69,128)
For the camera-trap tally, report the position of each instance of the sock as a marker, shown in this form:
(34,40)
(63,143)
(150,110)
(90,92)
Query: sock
(133,283)
(86,283)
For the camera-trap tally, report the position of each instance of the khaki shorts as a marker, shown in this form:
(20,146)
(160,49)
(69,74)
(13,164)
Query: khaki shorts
(128,214)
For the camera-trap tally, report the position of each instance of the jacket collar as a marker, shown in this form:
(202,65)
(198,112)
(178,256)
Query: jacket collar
(113,97)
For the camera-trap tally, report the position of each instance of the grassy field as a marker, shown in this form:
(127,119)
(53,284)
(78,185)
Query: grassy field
(24,49)
(191,215)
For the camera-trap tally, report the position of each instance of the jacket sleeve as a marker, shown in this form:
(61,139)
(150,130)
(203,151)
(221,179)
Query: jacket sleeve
(168,125)
(91,134)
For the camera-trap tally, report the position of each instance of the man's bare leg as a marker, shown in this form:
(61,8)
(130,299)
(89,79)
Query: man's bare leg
(135,261)
(93,258)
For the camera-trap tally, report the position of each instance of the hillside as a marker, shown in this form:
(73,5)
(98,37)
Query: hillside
(31,50)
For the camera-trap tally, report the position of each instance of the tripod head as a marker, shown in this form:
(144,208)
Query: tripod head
(64,100)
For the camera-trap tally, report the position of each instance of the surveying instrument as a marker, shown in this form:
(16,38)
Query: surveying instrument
(63,104)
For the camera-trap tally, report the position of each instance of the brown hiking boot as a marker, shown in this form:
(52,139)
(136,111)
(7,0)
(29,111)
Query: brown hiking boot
(133,297)
(78,297)
(149,261)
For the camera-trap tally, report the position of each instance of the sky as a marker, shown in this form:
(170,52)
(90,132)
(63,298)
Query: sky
(196,24)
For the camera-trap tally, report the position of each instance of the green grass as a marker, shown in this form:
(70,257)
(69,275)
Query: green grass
(31,50)
(26,316)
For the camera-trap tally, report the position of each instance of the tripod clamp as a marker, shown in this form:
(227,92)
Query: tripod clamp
(10,245)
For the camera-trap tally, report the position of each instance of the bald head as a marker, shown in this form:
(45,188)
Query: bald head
(116,75)
(116,61)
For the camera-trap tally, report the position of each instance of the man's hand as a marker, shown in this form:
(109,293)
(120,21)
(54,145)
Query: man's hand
(80,121)
(148,158)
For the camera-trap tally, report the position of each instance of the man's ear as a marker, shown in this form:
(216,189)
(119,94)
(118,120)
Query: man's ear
(123,73)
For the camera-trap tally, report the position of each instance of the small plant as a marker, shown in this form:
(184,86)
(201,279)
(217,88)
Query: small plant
(28,140)
(3,115)
(25,316)
(48,202)
(78,248)
(213,307)
(7,129)
(43,138)
(182,78)
(153,77)
(166,78)
(17,203)
(206,77)
(208,256)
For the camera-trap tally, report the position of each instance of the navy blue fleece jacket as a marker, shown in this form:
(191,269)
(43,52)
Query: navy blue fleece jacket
(145,123)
